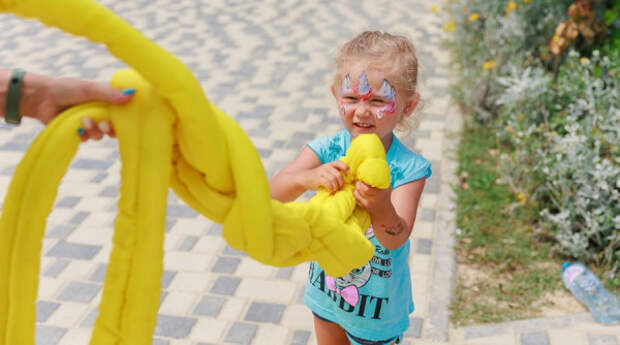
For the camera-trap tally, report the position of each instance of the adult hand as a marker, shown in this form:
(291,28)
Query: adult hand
(45,97)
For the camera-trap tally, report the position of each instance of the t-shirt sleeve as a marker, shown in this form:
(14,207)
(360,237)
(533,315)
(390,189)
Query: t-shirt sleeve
(414,169)
(320,146)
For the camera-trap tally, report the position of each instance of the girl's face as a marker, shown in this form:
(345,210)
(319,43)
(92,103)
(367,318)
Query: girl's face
(369,102)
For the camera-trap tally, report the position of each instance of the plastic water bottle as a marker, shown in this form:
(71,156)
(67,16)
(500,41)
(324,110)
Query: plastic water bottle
(604,306)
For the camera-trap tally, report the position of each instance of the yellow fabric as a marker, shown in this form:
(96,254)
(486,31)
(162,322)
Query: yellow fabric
(169,135)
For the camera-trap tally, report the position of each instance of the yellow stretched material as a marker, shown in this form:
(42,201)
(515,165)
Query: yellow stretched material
(169,135)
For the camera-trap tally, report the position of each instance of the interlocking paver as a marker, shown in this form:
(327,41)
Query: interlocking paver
(241,333)
(210,305)
(265,312)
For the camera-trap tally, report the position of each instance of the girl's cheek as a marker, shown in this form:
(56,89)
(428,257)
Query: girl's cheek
(386,109)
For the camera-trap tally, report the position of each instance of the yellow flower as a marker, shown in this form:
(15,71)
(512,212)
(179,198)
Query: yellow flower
(521,198)
(449,26)
(434,9)
(553,134)
(473,17)
(511,6)
(584,60)
(526,1)
(488,65)
(508,128)
(556,38)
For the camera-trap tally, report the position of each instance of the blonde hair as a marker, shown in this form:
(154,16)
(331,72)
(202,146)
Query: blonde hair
(394,54)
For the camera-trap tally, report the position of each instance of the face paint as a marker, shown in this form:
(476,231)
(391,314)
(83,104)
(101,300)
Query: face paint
(387,92)
(363,90)
(346,85)
(363,87)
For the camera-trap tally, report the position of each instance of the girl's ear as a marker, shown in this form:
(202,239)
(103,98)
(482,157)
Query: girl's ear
(410,104)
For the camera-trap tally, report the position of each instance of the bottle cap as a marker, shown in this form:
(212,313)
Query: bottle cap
(565,265)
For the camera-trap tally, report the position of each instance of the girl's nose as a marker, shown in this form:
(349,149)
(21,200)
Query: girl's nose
(363,110)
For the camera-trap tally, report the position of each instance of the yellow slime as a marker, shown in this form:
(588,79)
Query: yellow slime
(169,135)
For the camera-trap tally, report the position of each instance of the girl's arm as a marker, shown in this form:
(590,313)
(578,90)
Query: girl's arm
(306,172)
(392,212)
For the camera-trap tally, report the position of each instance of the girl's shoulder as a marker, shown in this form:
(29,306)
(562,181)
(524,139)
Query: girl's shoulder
(331,147)
(405,165)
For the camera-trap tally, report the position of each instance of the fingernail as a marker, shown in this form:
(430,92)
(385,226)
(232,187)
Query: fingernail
(128,92)
(104,126)
(86,122)
(80,131)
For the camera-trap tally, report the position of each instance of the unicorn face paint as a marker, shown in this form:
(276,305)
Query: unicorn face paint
(351,96)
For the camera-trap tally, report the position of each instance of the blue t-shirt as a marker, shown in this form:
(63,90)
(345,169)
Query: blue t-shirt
(374,301)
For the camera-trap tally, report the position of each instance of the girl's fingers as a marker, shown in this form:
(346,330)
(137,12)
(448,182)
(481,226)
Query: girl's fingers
(106,128)
(340,165)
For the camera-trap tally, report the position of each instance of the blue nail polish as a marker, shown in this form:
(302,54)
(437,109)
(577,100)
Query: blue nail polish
(128,92)
(80,131)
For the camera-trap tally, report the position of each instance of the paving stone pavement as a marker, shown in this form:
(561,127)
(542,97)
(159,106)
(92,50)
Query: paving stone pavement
(267,64)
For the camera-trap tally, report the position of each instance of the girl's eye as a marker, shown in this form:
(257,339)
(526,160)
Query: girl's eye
(350,98)
(376,100)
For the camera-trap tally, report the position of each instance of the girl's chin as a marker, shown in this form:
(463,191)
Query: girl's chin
(355,131)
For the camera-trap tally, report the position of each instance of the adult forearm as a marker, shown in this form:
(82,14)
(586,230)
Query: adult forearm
(33,89)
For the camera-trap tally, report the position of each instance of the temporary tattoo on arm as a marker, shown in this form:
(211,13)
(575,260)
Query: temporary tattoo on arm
(394,230)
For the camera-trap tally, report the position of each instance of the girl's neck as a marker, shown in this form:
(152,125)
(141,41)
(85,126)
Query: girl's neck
(387,141)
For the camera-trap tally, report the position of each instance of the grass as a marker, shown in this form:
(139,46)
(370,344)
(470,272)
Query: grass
(506,270)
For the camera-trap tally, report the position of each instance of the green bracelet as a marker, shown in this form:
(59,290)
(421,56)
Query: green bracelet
(11,114)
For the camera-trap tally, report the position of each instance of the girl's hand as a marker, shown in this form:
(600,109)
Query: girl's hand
(328,175)
(374,200)
(95,131)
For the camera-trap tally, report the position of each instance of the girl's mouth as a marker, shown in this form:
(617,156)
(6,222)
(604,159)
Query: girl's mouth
(364,126)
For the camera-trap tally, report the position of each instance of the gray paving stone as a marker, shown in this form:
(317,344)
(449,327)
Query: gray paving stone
(99,177)
(285,273)
(99,275)
(170,222)
(157,341)
(225,285)
(19,142)
(535,338)
(226,264)
(73,250)
(210,306)
(56,268)
(174,326)
(48,335)
(301,338)
(79,292)
(61,231)
(228,250)
(91,164)
(89,320)
(181,211)
(423,246)
(433,184)
(110,191)
(45,309)
(188,243)
(265,312)
(79,217)
(427,214)
(68,201)
(602,339)
(215,230)
(415,327)
(241,333)
(166,278)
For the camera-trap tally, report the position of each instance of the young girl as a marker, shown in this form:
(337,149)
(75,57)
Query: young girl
(375,87)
